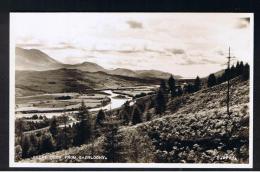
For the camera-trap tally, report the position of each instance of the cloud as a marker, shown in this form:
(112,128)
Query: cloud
(152,50)
(188,62)
(62,46)
(134,24)
(197,61)
(128,63)
(78,59)
(176,51)
(220,52)
(29,45)
(207,61)
(67,45)
(243,23)
(59,46)
(128,51)
(162,39)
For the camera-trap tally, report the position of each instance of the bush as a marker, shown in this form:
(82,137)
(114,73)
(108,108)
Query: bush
(140,95)
(18,153)
(160,103)
(113,145)
(136,117)
(212,80)
(34,117)
(47,143)
(63,98)
(25,146)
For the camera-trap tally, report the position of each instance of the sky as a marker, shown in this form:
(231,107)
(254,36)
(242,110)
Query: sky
(186,44)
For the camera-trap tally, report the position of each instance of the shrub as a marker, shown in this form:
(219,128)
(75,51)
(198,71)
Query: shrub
(34,117)
(47,143)
(63,98)
(136,117)
(212,80)
(140,95)
(18,153)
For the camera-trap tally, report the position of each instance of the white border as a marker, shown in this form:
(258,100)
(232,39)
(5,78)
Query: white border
(12,163)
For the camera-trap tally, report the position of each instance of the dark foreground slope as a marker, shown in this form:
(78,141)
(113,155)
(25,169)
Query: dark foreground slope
(200,131)
(194,129)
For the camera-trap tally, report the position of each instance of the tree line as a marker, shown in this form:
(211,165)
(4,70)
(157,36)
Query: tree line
(240,70)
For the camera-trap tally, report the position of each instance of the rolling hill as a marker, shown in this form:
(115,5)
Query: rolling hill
(33,59)
(71,80)
(155,74)
(123,72)
(85,66)
(36,60)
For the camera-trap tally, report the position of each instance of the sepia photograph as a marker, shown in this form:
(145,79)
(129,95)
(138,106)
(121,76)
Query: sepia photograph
(147,90)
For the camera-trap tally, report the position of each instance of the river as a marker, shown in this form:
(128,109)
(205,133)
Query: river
(114,103)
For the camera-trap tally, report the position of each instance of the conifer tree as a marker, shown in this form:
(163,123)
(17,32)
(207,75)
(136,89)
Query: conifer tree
(160,102)
(212,80)
(246,71)
(232,72)
(237,68)
(189,88)
(172,86)
(25,146)
(100,118)
(163,86)
(65,122)
(84,127)
(46,144)
(54,127)
(136,117)
(113,147)
(197,84)
(240,69)
(179,91)
(126,112)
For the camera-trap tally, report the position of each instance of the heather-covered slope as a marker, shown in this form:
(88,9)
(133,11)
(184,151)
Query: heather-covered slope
(200,130)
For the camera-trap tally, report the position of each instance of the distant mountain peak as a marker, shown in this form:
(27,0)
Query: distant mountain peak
(34,59)
(86,63)
(86,66)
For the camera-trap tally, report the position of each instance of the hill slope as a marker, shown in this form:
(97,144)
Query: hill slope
(155,74)
(71,80)
(122,72)
(85,66)
(199,129)
(195,129)
(34,59)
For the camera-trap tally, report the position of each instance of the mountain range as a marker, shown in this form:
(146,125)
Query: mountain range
(36,60)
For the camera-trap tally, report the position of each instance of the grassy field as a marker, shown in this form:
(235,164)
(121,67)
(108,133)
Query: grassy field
(60,101)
